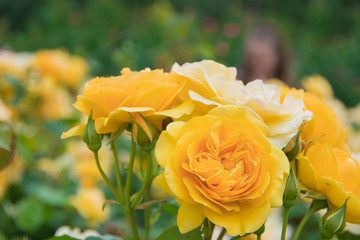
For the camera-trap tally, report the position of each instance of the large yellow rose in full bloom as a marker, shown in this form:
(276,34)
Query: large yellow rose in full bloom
(212,84)
(334,173)
(115,101)
(222,166)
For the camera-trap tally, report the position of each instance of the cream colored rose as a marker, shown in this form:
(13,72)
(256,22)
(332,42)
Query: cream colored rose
(212,84)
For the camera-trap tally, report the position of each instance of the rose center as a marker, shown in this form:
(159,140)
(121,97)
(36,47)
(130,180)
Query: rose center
(232,153)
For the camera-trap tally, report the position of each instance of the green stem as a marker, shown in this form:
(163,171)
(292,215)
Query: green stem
(147,216)
(117,170)
(131,221)
(106,179)
(285,223)
(147,180)
(130,172)
(222,234)
(304,221)
(258,237)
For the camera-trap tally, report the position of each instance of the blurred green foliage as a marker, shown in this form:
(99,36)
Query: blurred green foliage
(324,35)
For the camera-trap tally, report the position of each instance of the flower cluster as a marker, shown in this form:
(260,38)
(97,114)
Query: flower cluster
(225,147)
(43,81)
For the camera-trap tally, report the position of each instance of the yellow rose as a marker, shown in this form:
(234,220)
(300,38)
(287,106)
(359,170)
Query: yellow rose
(61,66)
(223,167)
(325,125)
(15,64)
(318,85)
(334,173)
(6,113)
(88,202)
(212,84)
(53,101)
(116,100)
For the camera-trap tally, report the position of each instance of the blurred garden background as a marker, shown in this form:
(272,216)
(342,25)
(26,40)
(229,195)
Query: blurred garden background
(323,36)
(46,187)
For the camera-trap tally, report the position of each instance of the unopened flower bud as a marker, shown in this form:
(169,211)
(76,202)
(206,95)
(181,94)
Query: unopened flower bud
(90,136)
(144,132)
(333,222)
(292,190)
(294,147)
(260,231)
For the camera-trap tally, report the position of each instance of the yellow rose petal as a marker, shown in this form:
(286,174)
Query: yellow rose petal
(189,217)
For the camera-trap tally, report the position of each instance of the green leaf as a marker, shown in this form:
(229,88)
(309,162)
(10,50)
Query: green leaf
(313,194)
(174,233)
(53,196)
(170,208)
(19,89)
(106,237)
(30,214)
(149,203)
(347,236)
(108,202)
(114,135)
(110,237)
(7,144)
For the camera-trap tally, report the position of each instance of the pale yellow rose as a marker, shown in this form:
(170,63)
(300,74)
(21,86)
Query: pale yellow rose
(88,202)
(6,112)
(115,101)
(53,101)
(84,165)
(276,82)
(223,167)
(15,64)
(340,110)
(318,85)
(334,173)
(212,84)
(353,139)
(62,67)
(354,114)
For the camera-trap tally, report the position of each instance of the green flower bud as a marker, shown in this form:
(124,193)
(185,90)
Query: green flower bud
(333,222)
(144,133)
(90,137)
(292,190)
(294,147)
(260,231)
